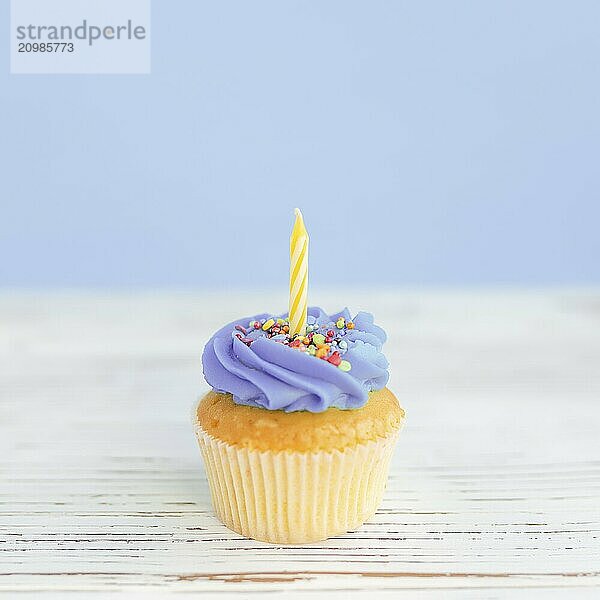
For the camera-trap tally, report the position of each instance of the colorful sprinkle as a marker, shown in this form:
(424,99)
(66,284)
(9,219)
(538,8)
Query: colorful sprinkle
(344,366)
(349,325)
(340,323)
(335,359)
(318,339)
(268,324)
(322,352)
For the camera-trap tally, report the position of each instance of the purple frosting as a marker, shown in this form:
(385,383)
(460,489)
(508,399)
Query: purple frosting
(268,374)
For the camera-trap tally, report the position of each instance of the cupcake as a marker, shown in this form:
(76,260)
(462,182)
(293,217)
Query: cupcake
(299,429)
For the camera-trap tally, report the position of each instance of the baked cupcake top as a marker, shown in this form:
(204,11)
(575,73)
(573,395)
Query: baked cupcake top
(335,364)
(276,430)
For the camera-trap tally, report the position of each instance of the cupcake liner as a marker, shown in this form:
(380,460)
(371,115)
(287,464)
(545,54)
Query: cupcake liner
(292,497)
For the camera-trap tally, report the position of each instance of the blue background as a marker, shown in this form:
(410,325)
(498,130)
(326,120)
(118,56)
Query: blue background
(426,142)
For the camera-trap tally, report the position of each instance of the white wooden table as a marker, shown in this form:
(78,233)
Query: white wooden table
(494,491)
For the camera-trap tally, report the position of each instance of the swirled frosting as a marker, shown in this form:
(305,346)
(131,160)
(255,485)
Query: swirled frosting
(259,370)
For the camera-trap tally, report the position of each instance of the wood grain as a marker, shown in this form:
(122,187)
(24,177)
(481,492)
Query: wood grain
(494,490)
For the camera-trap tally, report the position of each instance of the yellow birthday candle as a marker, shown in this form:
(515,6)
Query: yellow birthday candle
(298,276)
